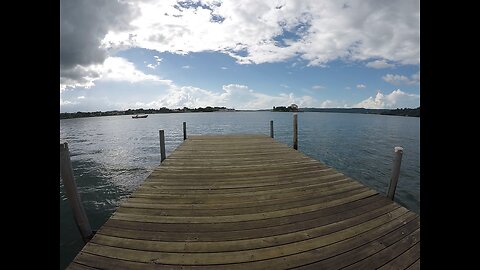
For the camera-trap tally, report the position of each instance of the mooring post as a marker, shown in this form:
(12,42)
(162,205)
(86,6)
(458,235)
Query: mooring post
(395,172)
(271,128)
(184,131)
(66,173)
(162,146)
(295,131)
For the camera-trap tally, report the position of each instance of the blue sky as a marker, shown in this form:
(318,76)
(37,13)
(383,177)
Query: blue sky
(248,55)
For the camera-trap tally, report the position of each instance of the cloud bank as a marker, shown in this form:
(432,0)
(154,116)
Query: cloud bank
(83,25)
(396,99)
(396,79)
(254,31)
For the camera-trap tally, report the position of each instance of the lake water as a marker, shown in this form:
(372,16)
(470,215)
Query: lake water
(112,155)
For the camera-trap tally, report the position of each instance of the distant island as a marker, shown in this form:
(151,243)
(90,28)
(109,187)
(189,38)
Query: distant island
(399,112)
(292,108)
(144,111)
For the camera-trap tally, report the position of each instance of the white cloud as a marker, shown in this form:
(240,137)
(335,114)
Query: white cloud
(396,99)
(158,60)
(67,102)
(224,68)
(348,87)
(378,64)
(232,96)
(318,87)
(81,97)
(326,104)
(119,69)
(332,104)
(113,69)
(359,86)
(396,79)
(251,30)
(284,86)
(186,67)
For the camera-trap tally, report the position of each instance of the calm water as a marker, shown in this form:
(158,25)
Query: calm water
(112,155)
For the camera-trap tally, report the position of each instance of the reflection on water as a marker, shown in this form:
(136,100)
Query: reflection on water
(112,155)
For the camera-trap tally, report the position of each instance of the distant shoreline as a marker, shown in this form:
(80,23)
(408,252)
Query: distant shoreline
(397,112)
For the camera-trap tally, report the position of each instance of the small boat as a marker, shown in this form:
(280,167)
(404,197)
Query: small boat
(140,116)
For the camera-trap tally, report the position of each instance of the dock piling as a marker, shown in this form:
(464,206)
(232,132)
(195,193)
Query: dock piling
(271,128)
(162,145)
(184,131)
(295,131)
(395,172)
(66,173)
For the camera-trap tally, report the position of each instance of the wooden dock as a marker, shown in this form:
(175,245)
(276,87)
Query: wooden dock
(250,202)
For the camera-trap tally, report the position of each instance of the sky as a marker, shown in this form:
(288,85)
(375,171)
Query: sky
(249,54)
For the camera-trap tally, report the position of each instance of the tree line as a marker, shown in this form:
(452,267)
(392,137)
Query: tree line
(141,111)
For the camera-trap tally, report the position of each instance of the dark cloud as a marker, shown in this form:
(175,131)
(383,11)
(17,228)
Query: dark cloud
(83,24)
(78,75)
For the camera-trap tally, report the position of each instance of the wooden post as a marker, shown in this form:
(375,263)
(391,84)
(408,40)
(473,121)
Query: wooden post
(395,172)
(295,131)
(66,172)
(162,146)
(271,128)
(184,131)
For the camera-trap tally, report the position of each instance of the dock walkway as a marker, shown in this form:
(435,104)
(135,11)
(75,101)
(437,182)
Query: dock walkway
(250,202)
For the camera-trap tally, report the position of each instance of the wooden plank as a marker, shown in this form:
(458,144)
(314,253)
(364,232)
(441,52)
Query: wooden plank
(336,183)
(112,264)
(415,265)
(249,202)
(325,181)
(311,227)
(284,262)
(321,177)
(220,209)
(199,203)
(206,198)
(279,179)
(232,218)
(252,239)
(405,259)
(383,256)
(233,228)
(76,266)
(186,179)
(368,247)
(213,258)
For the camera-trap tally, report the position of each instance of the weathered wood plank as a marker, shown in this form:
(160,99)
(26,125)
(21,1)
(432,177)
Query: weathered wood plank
(249,202)
(415,265)
(299,221)
(391,251)
(252,239)
(76,266)
(368,248)
(405,260)
(190,258)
